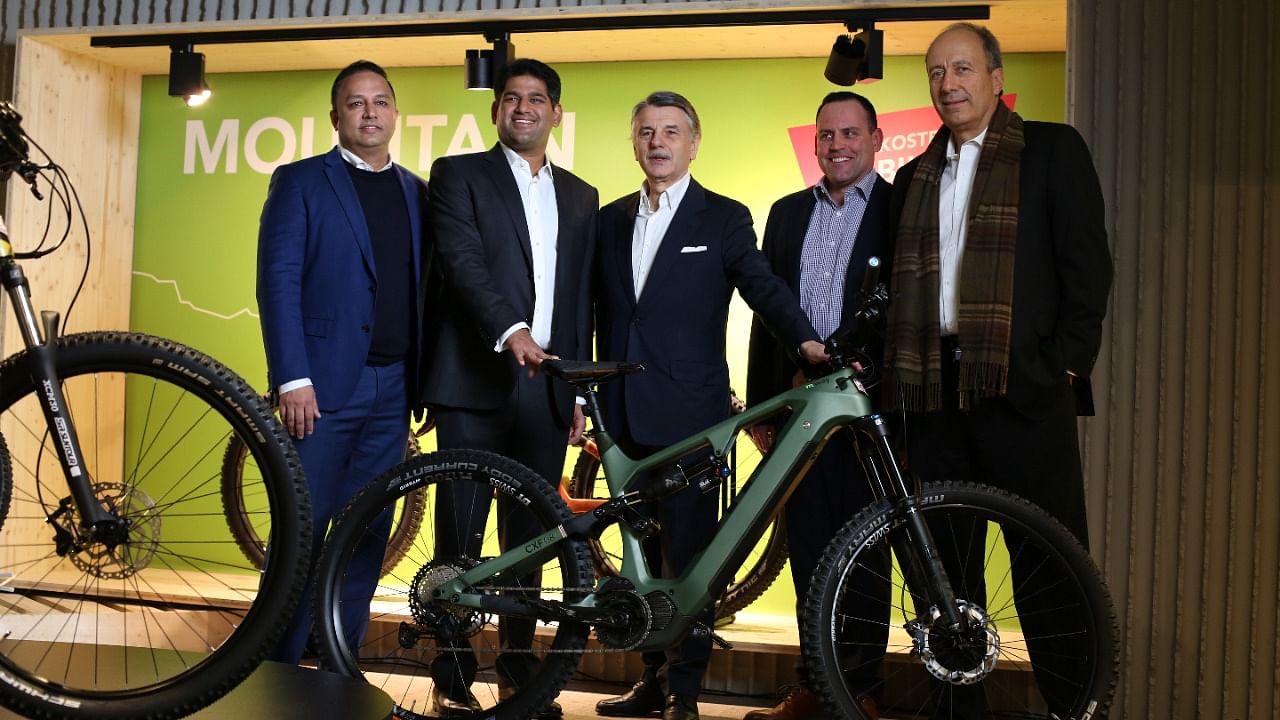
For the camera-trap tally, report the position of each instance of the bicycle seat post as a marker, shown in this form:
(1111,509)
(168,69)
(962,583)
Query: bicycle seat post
(589,393)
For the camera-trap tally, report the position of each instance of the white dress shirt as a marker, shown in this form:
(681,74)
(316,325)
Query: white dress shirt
(651,226)
(542,215)
(954,188)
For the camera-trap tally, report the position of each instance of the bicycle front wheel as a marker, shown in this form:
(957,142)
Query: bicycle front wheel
(1039,635)
(165,620)
(415,647)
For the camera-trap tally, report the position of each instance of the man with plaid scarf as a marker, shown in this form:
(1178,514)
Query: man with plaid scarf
(1000,281)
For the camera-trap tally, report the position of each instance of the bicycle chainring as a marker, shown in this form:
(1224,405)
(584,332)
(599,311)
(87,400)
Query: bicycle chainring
(633,618)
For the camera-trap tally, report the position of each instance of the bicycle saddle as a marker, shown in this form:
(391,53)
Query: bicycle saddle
(584,372)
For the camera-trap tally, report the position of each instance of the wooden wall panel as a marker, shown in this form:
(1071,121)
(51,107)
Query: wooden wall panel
(1178,100)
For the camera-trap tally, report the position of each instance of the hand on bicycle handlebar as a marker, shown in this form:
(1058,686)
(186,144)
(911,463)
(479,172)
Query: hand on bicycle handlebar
(814,352)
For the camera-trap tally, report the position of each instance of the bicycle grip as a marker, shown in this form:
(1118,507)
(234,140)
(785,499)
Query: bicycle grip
(872,277)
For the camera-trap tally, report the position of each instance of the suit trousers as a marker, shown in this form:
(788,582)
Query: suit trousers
(524,429)
(350,447)
(1039,460)
(829,495)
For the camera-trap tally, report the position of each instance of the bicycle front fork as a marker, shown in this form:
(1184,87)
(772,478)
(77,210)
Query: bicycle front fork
(915,548)
(41,348)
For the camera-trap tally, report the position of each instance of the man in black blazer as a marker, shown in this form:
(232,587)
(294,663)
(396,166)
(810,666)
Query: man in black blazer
(670,257)
(514,237)
(991,358)
(819,240)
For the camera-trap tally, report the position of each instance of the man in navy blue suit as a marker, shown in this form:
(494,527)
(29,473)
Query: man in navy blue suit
(339,253)
(670,258)
(819,240)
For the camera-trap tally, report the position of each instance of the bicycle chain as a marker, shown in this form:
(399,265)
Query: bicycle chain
(489,589)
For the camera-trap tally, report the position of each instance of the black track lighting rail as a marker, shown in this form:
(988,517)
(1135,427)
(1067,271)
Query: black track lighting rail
(853,19)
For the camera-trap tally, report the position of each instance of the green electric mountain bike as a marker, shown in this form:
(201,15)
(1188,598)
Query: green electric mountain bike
(969,587)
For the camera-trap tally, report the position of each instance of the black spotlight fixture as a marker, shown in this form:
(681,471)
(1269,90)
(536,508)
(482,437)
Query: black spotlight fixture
(186,75)
(857,58)
(482,66)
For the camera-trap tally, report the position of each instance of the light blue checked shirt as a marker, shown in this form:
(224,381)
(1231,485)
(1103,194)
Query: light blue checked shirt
(828,243)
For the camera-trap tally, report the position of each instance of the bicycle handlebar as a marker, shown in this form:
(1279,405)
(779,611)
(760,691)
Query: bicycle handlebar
(14,152)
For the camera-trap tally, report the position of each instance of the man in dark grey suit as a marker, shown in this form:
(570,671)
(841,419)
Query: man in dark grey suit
(514,238)
(670,257)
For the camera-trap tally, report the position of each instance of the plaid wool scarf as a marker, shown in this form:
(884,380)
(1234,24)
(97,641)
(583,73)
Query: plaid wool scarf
(913,353)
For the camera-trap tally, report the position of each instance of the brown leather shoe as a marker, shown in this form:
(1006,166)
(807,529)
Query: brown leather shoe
(799,703)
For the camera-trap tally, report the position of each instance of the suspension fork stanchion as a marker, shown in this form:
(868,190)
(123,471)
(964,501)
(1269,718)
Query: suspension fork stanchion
(920,552)
(41,348)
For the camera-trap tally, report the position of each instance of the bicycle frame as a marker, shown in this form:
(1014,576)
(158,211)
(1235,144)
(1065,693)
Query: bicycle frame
(817,410)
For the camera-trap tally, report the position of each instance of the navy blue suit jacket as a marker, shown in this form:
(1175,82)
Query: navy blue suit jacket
(676,328)
(771,367)
(316,275)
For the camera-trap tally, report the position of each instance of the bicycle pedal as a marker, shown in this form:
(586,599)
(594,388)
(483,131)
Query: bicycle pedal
(721,642)
(700,630)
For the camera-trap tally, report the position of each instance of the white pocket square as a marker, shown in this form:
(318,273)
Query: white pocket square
(693,249)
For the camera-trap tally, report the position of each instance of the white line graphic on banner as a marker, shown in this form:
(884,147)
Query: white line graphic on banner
(183,301)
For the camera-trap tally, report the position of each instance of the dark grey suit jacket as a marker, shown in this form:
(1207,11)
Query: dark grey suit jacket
(772,367)
(1062,269)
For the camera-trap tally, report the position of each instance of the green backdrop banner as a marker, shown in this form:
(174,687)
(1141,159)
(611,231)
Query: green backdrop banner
(203,172)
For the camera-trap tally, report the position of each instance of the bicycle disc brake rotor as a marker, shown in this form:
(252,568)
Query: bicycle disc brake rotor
(135,552)
(440,620)
(962,656)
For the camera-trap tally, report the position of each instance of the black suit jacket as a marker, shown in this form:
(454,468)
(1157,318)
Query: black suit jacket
(1062,269)
(677,326)
(771,367)
(485,283)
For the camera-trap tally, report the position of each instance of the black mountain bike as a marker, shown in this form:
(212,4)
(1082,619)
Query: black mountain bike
(124,594)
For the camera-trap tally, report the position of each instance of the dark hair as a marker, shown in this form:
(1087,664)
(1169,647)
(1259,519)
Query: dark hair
(990,45)
(845,96)
(358,66)
(528,66)
(666,98)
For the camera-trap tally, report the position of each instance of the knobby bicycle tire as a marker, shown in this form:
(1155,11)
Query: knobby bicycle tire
(406,627)
(170,618)
(1041,607)
(241,509)
(744,589)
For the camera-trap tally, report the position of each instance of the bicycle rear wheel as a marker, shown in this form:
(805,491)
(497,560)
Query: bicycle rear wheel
(410,635)
(244,505)
(170,619)
(1035,602)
